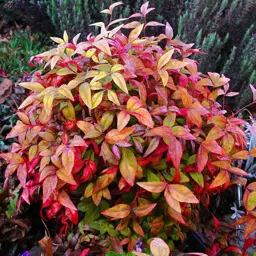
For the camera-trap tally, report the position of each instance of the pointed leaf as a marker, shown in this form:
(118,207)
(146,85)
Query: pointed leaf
(171,201)
(85,94)
(134,34)
(122,119)
(143,210)
(49,186)
(164,59)
(120,82)
(115,136)
(182,194)
(119,211)
(153,186)
(220,179)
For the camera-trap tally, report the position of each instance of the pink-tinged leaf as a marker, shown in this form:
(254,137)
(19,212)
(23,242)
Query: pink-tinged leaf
(115,136)
(154,24)
(10,169)
(49,186)
(122,119)
(253,92)
(68,160)
(158,247)
(232,94)
(168,31)
(136,15)
(222,178)
(201,158)
(175,152)
(22,174)
(143,116)
(212,146)
(153,186)
(162,131)
(182,194)
(46,171)
(64,200)
(103,46)
(152,146)
(237,171)
(116,151)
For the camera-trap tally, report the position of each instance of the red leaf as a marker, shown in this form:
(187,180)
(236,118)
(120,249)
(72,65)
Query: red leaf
(162,131)
(251,227)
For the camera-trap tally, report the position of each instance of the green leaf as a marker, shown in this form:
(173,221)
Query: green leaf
(198,178)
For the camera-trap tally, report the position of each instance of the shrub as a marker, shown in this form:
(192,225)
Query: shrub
(133,126)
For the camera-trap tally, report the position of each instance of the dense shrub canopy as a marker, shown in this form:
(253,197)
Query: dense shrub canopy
(134,125)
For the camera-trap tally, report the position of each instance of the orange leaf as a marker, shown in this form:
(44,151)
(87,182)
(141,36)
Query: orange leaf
(162,131)
(243,154)
(195,117)
(222,164)
(119,211)
(46,244)
(251,226)
(137,228)
(143,116)
(143,210)
(128,166)
(212,146)
(122,120)
(64,200)
(220,179)
(187,100)
(171,201)
(201,158)
(220,121)
(253,152)
(115,136)
(103,181)
(182,194)
(215,133)
(49,186)
(153,186)
(176,216)
(62,175)
(133,103)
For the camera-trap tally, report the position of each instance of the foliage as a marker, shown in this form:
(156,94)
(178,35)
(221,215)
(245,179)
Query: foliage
(225,31)
(135,127)
(16,52)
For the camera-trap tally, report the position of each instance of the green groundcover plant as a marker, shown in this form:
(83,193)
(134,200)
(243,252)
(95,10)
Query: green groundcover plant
(130,121)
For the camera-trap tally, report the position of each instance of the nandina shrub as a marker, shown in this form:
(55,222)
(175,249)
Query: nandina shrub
(135,126)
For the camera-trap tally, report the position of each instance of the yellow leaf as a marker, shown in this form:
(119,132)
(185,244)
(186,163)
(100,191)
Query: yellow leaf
(48,102)
(33,86)
(164,76)
(120,82)
(68,160)
(176,64)
(135,33)
(69,111)
(116,68)
(159,248)
(57,40)
(64,90)
(128,166)
(65,36)
(164,59)
(61,173)
(96,99)
(103,46)
(54,60)
(32,152)
(99,76)
(106,120)
(64,71)
(85,94)
(113,97)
